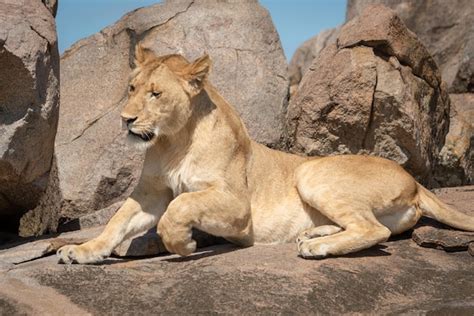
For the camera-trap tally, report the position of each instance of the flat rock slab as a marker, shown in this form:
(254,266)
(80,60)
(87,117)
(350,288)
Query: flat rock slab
(447,239)
(396,277)
(24,251)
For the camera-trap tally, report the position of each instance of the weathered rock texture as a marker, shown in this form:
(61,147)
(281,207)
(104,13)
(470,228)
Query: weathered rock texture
(45,216)
(96,167)
(457,156)
(376,91)
(446,28)
(396,277)
(52,6)
(433,234)
(29,104)
(306,53)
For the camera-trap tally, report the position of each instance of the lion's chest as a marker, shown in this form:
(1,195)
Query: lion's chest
(185,177)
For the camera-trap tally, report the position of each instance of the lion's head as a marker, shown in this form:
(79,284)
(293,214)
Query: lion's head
(160,94)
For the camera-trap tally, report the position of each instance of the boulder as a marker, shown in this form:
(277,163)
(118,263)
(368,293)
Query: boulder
(306,53)
(376,91)
(446,28)
(29,105)
(442,238)
(96,167)
(433,234)
(93,219)
(457,156)
(52,6)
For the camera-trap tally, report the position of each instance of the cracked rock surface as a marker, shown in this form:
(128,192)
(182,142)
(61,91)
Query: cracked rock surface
(96,167)
(375,91)
(29,105)
(396,277)
(306,53)
(446,28)
(457,156)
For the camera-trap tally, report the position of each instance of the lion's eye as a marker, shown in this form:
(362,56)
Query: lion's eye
(155,94)
(131,88)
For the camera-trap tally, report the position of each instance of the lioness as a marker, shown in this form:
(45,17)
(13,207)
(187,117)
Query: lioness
(203,171)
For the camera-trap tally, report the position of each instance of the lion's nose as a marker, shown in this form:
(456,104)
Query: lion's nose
(130,120)
(127,121)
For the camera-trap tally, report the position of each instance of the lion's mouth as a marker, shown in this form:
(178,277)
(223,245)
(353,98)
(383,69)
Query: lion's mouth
(145,136)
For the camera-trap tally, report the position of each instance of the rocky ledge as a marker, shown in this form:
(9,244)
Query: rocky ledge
(395,277)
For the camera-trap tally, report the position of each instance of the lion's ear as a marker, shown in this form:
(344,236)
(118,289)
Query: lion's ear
(142,55)
(197,73)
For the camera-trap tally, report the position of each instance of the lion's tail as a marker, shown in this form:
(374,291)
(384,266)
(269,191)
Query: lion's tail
(432,207)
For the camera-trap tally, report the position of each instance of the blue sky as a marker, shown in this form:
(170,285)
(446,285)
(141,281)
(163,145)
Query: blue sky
(295,20)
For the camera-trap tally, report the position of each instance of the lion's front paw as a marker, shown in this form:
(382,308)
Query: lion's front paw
(177,239)
(78,254)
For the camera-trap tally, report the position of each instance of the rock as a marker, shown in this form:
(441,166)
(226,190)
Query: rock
(306,53)
(457,156)
(398,277)
(460,198)
(29,104)
(26,252)
(146,244)
(395,277)
(471,249)
(447,239)
(150,244)
(446,28)
(98,218)
(23,251)
(377,91)
(432,234)
(96,167)
(52,6)
(45,216)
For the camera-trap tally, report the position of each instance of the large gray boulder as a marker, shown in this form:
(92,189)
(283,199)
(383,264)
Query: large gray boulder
(375,91)
(29,104)
(96,167)
(446,28)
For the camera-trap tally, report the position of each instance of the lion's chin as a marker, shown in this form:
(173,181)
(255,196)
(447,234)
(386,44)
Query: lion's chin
(142,141)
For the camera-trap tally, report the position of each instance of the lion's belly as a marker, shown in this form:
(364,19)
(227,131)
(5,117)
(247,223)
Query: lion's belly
(280,219)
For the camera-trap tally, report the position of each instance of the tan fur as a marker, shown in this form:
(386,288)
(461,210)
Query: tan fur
(202,171)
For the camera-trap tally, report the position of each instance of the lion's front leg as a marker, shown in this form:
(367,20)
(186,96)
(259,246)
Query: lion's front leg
(212,211)
(139,213)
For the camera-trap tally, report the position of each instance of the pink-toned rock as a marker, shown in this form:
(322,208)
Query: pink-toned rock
(306,53)
(96,166)
(432,234)
(444,27)
(457,156)
(442,238)
(395,277)
(29,105)
(377,91)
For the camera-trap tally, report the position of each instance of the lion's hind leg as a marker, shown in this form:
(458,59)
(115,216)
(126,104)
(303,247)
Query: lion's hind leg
(347,241)
(361,229)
